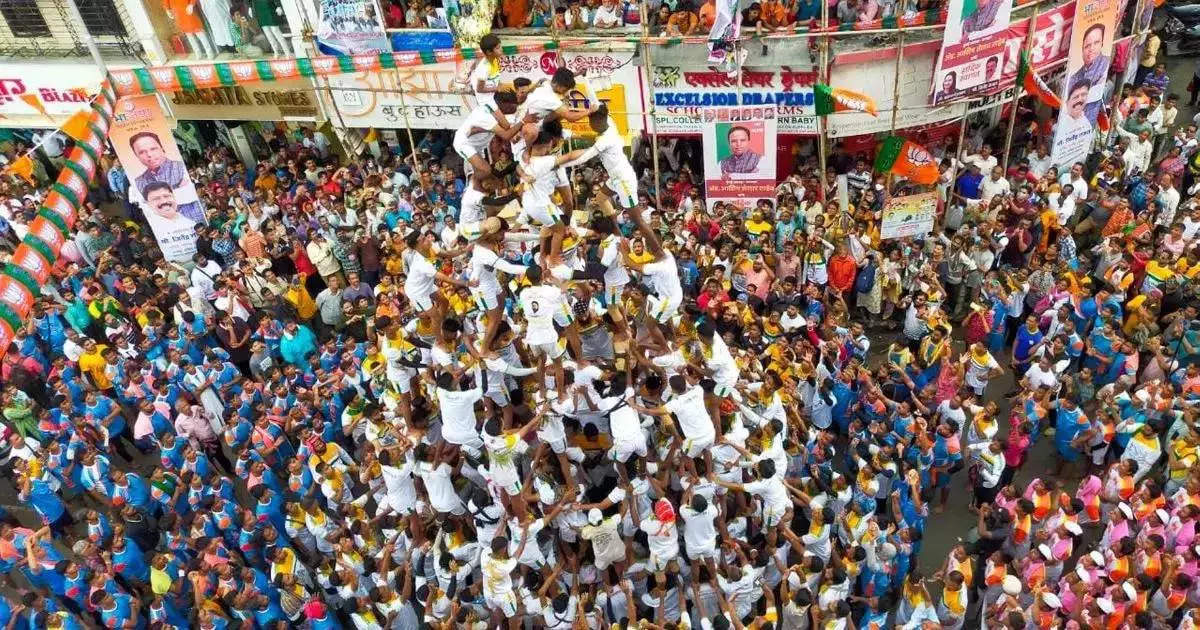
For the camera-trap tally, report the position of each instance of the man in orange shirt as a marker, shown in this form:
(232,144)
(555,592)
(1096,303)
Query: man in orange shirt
(775,15)
(708,14)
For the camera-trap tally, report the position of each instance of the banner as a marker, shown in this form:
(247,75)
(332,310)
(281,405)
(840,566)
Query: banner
(739,154)
(1083,89)
(989,65)
(910,215)
(291,99)
(161,185)
(975,20)
(61,89)
(436,96)
(866,74)
(681,95)
(350,27)
(726,24)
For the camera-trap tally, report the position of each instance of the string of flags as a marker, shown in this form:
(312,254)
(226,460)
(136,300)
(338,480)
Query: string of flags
(31,264)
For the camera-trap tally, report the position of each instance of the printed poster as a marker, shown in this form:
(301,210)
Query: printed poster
(349,27)
(739,154)
(160,183)
(974,20)
(1083,87)
(973,49)
(909,215)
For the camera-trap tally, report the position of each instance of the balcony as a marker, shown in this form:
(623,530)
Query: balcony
(40,29)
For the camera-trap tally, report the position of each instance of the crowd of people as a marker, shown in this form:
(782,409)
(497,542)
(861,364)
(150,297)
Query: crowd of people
(497,381)
(671,18)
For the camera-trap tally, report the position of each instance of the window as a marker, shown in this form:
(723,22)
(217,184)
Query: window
(24,18)
(100,17)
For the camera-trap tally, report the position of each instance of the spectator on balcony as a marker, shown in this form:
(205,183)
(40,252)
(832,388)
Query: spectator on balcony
(578,16)
(609,15)
(868,11)
(805,10)
(707,14)
(659,19)
(775,15)
(393,15)
(412,16)
(540,15)
(684,21)
(433,19)
(513,13)
(847,11)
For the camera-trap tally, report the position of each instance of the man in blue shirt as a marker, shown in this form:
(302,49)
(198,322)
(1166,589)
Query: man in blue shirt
(118,610)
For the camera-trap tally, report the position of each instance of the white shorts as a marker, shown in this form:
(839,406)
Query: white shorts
(703,553)
(772,517)
(625,191)
(506,604)
(659,563)
(485,301)
(557,446)
(622,451)
(474,442)
(466,151)
(512,489)
(421,303)
(661,310)
(696,448)
(549,350)
(542,214)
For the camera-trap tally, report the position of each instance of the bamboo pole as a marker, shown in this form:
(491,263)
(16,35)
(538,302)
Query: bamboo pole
(412,144)
(822,73)
(1012,114)
(653,107)
(896,82)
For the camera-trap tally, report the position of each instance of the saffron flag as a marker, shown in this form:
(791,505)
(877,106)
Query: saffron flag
(906,159)
(830,99)
(23,168)
(1033,84)
(77,125)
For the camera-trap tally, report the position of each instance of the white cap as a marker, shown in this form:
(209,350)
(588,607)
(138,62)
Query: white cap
(1044,549)
(1051,600)
(1083,573)
(1130,592)
(1074,528)
(1162,515)
(1011,585)
(1097,557)
(651,467)
(887,551)
(595,516)
(1125,509)
(1106,605)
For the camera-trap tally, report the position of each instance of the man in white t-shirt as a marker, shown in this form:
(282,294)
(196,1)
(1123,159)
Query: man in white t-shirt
(607,546)
(420,285)
(473,137)
(691,415)
(661,534)
(699,526)
(458,414)
(497,566)
(543,305)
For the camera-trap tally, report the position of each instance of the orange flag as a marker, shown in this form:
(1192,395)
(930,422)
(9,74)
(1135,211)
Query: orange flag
(22,167)
(35,101)
(77,125)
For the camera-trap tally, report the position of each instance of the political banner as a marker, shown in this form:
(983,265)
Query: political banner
(977,68)
(739,154)
(1083,90)
(350,27)
(908,215)
(161,186)
(975,20)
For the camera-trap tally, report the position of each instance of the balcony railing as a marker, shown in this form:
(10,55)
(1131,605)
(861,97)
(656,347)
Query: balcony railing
(52,28)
